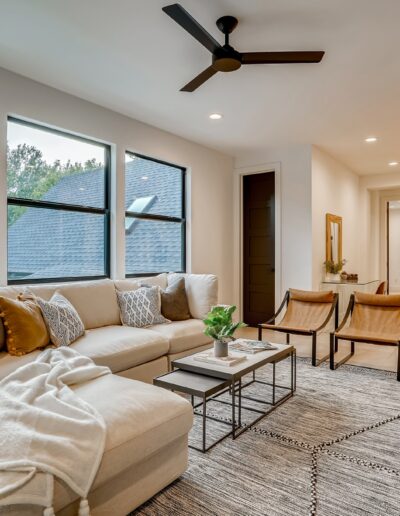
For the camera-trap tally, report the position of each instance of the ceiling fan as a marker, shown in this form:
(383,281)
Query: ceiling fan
(225,58)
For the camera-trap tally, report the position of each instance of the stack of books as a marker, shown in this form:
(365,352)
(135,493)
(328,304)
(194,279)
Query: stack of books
(209,358)
(238,349)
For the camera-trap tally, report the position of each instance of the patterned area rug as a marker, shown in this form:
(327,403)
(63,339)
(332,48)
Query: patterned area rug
(331,450)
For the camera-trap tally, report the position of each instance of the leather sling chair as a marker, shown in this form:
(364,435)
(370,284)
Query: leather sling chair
(307,313)
(382,288)
(375,319)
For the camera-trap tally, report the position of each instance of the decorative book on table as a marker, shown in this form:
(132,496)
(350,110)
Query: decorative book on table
(229,361)
(251,347)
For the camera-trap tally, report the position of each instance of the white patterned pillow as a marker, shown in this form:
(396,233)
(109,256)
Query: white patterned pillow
(62,320)
(141,307)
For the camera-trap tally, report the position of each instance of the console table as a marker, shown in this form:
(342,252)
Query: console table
(346,288)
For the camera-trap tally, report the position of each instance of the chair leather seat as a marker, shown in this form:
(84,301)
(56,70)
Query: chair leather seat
(279,327)
(357,334)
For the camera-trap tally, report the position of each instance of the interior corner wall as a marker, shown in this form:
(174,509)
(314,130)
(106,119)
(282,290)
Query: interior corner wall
(295,213)
(335,189)
(210,177)
(375,190)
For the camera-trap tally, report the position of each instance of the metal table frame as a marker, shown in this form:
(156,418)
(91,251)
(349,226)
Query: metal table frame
(234,385)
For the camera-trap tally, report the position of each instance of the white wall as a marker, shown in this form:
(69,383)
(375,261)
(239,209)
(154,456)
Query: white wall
(312,184)
(335,189)
(210,185)
(394,250)
(294,163)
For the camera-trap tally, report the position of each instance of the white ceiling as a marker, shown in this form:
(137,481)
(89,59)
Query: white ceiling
(129,56)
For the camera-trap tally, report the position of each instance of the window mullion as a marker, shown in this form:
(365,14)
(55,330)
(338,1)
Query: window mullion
(153,216)
(28,203)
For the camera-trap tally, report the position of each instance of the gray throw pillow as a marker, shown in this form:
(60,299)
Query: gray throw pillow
(174,303)
(62,320)
(140,308)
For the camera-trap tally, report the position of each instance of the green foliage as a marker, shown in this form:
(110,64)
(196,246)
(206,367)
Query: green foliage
(219,324)
(29,176)
(334,267)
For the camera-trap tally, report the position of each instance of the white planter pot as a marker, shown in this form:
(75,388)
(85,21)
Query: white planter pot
(332,277)
(220,349)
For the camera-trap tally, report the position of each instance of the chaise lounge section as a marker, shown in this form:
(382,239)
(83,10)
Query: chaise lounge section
(147,427)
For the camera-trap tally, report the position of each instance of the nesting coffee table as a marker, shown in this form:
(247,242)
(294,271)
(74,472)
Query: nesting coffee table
(209,382)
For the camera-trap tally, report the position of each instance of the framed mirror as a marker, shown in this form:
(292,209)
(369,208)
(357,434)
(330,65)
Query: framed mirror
(333,238)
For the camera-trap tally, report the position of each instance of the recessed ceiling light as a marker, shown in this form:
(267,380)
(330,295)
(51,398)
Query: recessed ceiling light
(371,139)
(215,116)
(145,178)
(393,163)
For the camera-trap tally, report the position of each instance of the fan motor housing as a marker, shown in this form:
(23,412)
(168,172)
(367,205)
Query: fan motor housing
(226,59)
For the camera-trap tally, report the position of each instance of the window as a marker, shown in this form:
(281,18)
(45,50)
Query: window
(58,205)
(154,217)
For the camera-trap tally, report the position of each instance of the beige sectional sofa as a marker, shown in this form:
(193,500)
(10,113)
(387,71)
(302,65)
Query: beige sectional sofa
(147,427)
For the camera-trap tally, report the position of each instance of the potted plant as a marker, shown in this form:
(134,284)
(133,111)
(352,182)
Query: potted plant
(333,269)
(220,327)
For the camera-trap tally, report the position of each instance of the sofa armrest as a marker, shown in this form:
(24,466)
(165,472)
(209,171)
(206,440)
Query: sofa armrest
(201,291)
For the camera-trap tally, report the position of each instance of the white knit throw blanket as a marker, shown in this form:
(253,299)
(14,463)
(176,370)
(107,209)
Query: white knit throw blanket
(47,431)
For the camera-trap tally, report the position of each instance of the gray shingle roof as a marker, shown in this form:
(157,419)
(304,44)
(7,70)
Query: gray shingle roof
(45,243)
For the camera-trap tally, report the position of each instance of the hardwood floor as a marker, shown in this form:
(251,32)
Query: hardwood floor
(366,355)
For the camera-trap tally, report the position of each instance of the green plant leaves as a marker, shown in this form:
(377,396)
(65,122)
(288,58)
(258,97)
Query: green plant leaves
(219,324)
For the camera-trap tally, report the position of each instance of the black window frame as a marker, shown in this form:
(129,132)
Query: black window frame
(165,218)
(31,203)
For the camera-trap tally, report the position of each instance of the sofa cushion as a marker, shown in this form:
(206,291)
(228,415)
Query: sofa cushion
(183,335)
(134,283)
(95,301)
(141,420)
(201,290)
(121,347)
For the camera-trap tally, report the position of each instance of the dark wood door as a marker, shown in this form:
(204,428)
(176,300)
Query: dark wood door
(258,247)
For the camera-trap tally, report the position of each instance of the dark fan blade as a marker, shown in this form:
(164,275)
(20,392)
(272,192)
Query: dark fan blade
(186,21)
(200,79)
(281,57)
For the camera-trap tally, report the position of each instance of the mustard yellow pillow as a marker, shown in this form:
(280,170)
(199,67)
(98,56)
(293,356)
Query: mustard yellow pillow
(2,336)
(24,326)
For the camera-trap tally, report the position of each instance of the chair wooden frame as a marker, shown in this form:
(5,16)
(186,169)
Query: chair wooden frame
(334,342)
(313,333)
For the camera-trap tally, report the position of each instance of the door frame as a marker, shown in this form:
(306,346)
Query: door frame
(238,230)
(385,196)
(388,246)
